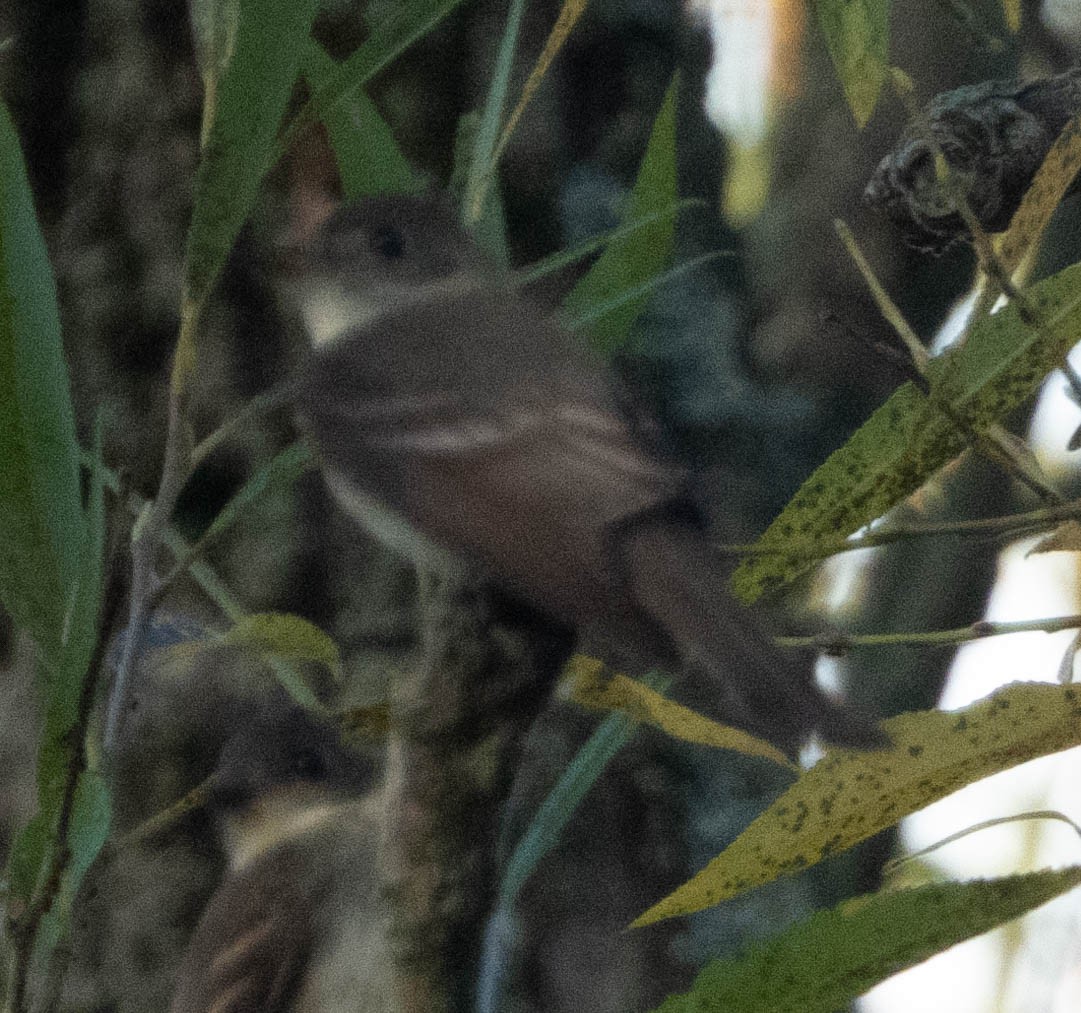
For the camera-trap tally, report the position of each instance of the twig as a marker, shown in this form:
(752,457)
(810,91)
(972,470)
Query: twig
(144,549)
(886,306)
(991,444)
(1033,814)
(179,547)
(179,464)
(262,404)
(1012,524)
(169,817)
(834,643)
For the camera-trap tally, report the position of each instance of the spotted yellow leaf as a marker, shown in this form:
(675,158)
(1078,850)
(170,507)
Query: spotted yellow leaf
(850,795)
(591,685)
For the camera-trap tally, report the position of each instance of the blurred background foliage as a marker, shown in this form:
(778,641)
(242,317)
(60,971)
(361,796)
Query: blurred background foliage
(758,364)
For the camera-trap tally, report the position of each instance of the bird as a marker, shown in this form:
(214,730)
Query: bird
(295,923)
(462,425)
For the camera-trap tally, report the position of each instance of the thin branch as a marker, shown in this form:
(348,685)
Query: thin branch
(1013,524)
(834,643)
(145,546)
(886,306)
(179,547)
(165,820)
(1033,814)
(259,406)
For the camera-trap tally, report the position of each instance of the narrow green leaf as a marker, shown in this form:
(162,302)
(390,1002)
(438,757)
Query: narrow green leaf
(413,19)
(858,37)
(40,844)
(489,231)
(564,258)
(40,517)
(821,964)
(64,684)
(369,159)
(851,794)
(910,437)
(634,259)
(281,472)
(561,803)
(240,145)
(639,293)
(482,157)
(90,820)
(24,864)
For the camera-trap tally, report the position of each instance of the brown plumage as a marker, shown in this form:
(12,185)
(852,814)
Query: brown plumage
(456,421)
(295,923)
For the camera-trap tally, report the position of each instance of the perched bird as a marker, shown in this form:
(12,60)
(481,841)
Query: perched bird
(294,925)
(457,422)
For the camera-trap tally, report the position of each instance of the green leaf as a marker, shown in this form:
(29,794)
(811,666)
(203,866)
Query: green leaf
(640,293)
(61,750)
(851,794)
(481,159)
(285,636)
(24,864)
(911,436)
(64,685)
(821,964)
(281,472)
(858,37)
(489,231)
(564,258)
(389,39)
(561,803)
(634,259)
(240,144)
(369,159)
(40,518)
(89,828)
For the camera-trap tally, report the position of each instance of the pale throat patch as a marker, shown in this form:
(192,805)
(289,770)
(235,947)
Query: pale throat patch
(331,309)
(329,312)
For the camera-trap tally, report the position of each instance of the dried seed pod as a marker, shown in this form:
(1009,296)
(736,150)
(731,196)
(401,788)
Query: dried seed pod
(994,136)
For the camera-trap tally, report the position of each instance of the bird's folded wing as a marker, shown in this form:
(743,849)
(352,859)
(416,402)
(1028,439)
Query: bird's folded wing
(250,947)
(510,452)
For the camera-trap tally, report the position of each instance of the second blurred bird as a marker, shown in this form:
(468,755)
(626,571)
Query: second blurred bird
(295,924)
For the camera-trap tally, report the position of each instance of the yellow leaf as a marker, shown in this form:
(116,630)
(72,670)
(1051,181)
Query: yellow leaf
(285,636)
(568,17)
(1017,245)
(1012,10)
(591,686)
(367,724)
(848,796)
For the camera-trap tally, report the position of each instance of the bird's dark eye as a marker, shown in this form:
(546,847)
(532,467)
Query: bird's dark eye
(309,765)
(387,242)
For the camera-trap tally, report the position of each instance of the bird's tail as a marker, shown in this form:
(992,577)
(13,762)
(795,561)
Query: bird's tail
(683,587)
